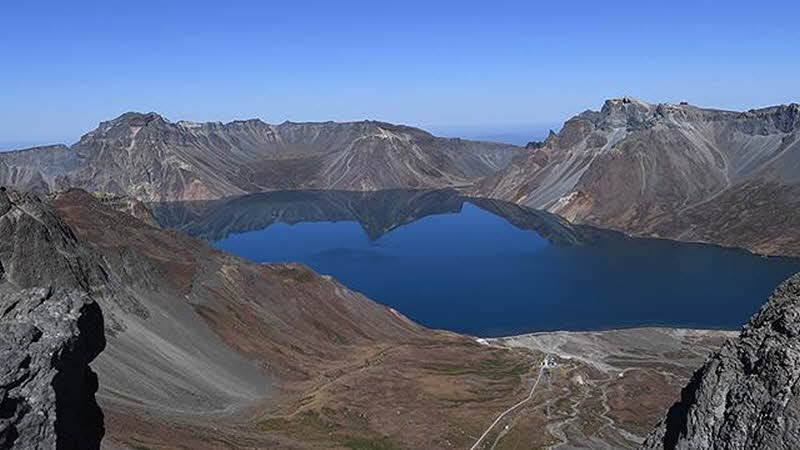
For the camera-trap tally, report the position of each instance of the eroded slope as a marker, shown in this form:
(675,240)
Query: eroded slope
(674,171)
(263,355)
(152,159)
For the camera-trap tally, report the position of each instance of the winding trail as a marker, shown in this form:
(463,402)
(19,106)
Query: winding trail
(503,414)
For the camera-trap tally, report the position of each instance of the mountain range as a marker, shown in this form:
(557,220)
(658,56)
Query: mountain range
(120,331)
(672,171)
(152,159)
(661,170)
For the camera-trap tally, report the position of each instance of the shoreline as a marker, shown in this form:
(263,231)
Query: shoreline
(721,330)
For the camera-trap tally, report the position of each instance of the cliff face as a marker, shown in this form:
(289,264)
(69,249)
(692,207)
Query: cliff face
(149,158)
(674,171)
(52,328)
(747,395)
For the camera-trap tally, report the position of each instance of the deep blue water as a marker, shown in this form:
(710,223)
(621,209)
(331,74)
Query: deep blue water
(474,272)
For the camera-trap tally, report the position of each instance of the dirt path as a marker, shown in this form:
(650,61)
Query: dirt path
(503,414)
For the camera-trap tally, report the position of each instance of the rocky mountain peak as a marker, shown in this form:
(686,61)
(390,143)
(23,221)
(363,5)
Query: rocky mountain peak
(787,117)
(126,122)
(137,119)
(626,112)
(633,114)
(626,102)
(773,119)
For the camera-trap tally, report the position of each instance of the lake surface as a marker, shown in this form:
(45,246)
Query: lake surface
(489,268)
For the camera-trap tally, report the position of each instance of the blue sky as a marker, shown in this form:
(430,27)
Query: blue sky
(484,66)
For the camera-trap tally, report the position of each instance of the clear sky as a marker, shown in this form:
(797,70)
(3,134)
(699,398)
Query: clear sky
(443,65)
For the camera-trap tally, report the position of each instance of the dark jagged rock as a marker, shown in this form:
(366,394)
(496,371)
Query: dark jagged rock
(47,390)
(51,330)
(747,396)
(672,171)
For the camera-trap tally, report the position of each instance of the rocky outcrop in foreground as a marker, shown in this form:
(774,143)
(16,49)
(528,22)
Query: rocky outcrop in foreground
(51,330)
(747,396)
(47,390)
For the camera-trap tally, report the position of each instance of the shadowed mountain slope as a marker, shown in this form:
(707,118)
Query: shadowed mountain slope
(186,298)
(674,171)
(150,158)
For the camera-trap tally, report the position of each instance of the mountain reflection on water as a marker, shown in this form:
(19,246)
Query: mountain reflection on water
(487,267)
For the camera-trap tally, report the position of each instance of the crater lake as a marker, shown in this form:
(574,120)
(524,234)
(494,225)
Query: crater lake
(486,267)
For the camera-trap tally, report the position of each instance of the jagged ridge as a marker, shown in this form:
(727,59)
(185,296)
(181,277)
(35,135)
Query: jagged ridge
(669,170)
(152,159)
